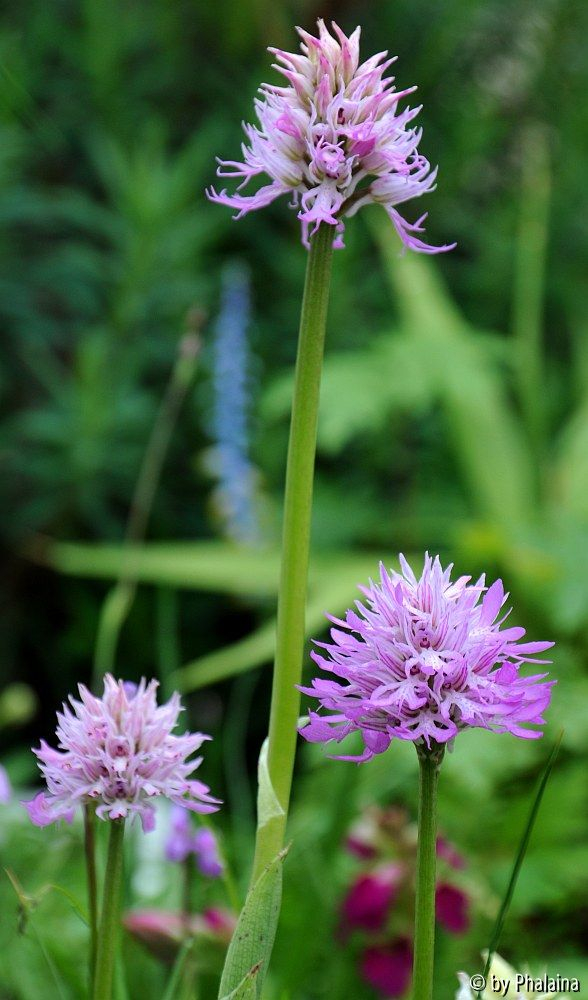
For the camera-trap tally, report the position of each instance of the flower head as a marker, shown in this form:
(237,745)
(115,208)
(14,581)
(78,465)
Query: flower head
(423,660)
(334,139)
(119,753)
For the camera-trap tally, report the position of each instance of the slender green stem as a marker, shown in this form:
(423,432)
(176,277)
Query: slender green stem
(285,704)
(520,857)
(119,600)
(90,852)
(424,924)
(110,917)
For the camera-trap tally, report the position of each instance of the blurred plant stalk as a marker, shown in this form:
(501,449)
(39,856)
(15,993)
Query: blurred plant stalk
(285,703)
(90,859)
(119,600)
(529,284)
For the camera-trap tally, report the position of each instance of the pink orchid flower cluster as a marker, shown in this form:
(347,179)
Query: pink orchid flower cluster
(333,139)
(119,753)
(424,659)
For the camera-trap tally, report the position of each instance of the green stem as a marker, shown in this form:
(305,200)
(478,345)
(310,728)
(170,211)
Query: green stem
(110,918)
(424,925)
(90,852)
(285,704)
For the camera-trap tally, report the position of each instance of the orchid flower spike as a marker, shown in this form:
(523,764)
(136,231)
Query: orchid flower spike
(334,139)
(118,753)
(424,660)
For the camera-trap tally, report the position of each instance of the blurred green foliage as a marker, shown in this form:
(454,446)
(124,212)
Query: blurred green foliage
(454,417)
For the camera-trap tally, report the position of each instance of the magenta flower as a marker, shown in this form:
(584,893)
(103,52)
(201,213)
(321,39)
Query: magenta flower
(370,899)
(388,967)
(425,659)
(118,752)
(452,908)
(333,139)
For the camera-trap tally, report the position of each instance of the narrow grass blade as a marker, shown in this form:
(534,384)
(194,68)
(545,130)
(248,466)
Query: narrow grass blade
(496,934)
(177,970)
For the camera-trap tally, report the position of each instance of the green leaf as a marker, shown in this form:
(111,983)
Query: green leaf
(268,804)
(571,469)
(252,942)
(76,906)
(211,566)
(247,988)
(472,391)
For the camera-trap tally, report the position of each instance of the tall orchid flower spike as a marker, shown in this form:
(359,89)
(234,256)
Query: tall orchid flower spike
(334,139)
(118,753)
(425,659)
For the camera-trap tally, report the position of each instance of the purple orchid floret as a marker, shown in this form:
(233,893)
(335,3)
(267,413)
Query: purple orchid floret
(207,855)
(118,752)
(333,139)
(180,842)
(424,660)
(184,841)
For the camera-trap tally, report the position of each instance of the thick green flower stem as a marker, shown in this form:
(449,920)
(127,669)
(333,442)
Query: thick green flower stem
(285,704)
(90,852)
(110,918)
(424,926)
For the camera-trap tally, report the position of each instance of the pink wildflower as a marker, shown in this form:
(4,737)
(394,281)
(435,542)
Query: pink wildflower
(370,899)
(452,908)
(163,931)
(425,659)
(118,752)
(388,967)
(334,139)
(447,852)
